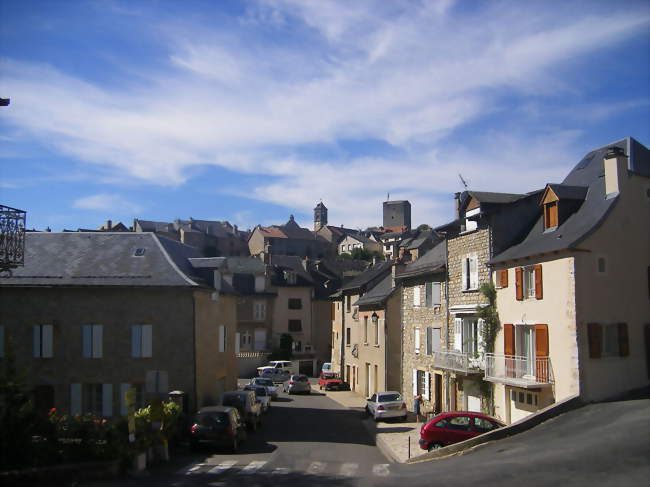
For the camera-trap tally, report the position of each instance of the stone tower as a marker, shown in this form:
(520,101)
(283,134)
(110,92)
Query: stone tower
(320,216)
(397,214)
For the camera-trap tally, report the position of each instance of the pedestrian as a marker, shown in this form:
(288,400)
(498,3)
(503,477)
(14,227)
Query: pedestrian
(417,404)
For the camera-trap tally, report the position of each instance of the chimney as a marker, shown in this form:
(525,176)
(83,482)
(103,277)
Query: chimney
(109,224)
(615,163)
(394,271)
(457,198)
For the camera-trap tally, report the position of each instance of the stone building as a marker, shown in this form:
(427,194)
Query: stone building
(91,315)
(289,239)
(424,319)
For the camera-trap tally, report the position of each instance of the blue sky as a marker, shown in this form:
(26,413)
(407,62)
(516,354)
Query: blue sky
(251,111)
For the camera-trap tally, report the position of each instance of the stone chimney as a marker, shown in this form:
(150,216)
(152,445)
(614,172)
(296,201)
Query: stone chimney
(615,163)
(457,198)
(109,224)
(395,270)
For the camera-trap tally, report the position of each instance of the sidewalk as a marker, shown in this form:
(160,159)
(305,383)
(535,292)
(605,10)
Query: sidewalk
(392,437)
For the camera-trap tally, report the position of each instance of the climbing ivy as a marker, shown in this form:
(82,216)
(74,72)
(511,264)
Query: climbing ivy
(489,329)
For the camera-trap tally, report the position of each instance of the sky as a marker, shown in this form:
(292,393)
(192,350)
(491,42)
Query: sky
(249,111)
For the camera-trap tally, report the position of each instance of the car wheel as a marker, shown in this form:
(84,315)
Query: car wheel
(434,446)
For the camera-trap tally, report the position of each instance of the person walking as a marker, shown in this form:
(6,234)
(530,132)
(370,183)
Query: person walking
(417,404)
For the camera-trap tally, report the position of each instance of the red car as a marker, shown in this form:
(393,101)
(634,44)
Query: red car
(453,427)
(329,381)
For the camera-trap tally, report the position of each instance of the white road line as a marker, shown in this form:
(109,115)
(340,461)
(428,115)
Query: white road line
(252,467)
(315,468)
(280,471)
(190,469)
(381,469)
(222,467)
(349,469)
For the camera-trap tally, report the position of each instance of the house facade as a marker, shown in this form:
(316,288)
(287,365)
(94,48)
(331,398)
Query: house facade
(360,241)
(573,296)
(288,239)
(91,315)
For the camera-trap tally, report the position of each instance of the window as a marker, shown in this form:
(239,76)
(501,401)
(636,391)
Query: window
(92,399)
(416,340)
(432,294)
(460,423)
(295,325)
(348,300)
(484,425)
(376,329)
(42,342)
(141,341)
(471,225)
(139,252)
(347,337)
(295,303)
(470,273)
(602,265)
(259,310)
(529,282)
(550,216)
(222,338)
(96,399)
(290,277)
(92,341)
(421,382)
(365,329)
(433,340)
(523,398)
(297,346)
(467,336)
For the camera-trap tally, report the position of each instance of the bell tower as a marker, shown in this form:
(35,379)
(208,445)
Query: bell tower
(320,216)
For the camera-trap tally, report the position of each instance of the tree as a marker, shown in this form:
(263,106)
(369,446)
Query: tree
(423,227)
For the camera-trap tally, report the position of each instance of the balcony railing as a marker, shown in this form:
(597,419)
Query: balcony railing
(518,371)
(458,361)
(12,238)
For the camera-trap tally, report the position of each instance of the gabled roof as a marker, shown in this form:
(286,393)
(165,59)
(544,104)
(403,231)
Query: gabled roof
(289,230)
(588,217)
(103,259)
(366,277)
(566,192)
(378,294)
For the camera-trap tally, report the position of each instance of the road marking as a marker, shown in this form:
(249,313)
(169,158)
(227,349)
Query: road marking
(222,467)
(281,471)
(252,467)
(349,469)
(381,469)
(316,468)
(190,469)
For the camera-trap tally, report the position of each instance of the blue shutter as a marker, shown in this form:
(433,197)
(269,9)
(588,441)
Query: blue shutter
(136,341)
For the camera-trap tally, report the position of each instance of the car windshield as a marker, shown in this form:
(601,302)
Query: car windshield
(390,397)
(264,382)
(300,378)
(211,419)
(330,375)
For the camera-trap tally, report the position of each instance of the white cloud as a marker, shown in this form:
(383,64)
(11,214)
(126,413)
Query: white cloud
(410,74)
(104,202)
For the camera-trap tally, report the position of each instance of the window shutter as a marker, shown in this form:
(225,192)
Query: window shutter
(541,341)
(458,334)
(539,292)
(435,293)
(427,386)
(97,332)
(237,338)
(503,278)
(415,382)
(519,283)
(47,344)
(435,339)
(480,340)
(595,338)
(508,340)
(416,296)
(147,340)
(427,342)
(417,340)
(75,399)
(107,400)
(87,340)
(124,388)
(36,340)
(464,266)
(473,273)
(136,341)
(623,341)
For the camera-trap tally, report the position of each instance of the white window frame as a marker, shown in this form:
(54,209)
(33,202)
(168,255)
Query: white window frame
(528,282)
(416,296)
(471,225)
(259,310)
(92,341)
(141,341)
(43,341)
(416,339)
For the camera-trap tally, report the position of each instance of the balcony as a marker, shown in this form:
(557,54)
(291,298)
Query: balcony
(518,371)
(458,362)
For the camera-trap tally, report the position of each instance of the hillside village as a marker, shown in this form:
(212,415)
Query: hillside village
(517,302)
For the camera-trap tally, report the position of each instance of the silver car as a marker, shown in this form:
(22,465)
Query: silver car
(268,383)
(388,404)
(262,395)
(297,383)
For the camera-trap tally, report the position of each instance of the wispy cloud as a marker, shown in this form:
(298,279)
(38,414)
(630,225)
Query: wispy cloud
(107,203)
(410,74)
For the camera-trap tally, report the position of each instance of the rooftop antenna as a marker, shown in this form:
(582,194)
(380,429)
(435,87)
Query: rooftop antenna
(387,196)
(462,180)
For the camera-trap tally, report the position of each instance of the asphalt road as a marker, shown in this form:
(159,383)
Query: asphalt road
(312,440)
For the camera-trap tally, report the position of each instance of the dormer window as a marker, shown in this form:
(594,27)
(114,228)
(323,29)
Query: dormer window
(471,225)
(550,215)
(559,202)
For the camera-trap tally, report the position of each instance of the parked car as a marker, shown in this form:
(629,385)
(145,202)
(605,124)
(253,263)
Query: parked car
(452,427)
(250,409)
(297,383)
(262,395)
(268,383)
(329,381)
(387,404)
(219,426)
(277,376)
(285,365)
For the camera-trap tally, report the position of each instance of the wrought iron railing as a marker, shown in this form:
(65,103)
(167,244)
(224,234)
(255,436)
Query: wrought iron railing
(518,371)
(458,361)
(12,238)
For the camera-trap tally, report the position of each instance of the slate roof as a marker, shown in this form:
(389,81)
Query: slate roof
(494,198)
(434,260)
(378,294)
(566,192)
(588,217)
(289,230)
(103,259)
(291,263)
(367,276)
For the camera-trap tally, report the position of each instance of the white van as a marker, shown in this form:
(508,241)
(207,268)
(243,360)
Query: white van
(327,367)
(285,365)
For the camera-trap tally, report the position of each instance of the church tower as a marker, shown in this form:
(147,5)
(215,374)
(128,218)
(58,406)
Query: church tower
(320,216)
